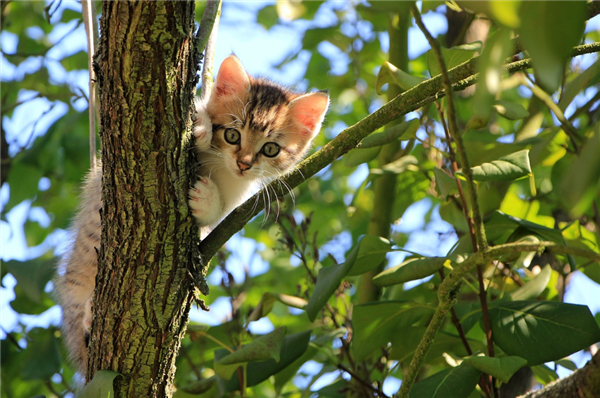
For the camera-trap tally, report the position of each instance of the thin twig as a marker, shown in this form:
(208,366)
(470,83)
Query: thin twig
(207,40)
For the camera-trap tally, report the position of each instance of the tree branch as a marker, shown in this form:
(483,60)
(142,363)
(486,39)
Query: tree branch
(463,76)
(448,290)
(584,382)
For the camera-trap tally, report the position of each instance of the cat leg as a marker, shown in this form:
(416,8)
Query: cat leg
(202,127)
(205,202)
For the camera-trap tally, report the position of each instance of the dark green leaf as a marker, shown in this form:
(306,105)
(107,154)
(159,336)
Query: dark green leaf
(292,348)
(549,30)
(542,331)
(32,275)
(410,270)
(500,368)
(42,357)
(328,281)
(101,385)
(265,347)
(584,79)
(267,16)
(457,382)
(445,184)
(510,110)
(23,180)
(371,253)
(359,156)
(391,134)
(376,324)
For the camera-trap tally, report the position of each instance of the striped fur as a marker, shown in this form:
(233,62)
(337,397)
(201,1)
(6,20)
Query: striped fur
(262,113)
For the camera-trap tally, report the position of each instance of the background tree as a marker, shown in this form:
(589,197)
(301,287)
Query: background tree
(531,137)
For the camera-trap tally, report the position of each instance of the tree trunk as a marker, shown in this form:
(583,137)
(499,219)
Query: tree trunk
(146,66)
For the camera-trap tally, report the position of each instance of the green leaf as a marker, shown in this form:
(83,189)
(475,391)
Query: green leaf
(292,348)
(549,30)
(544,374)
(491,65)
(101,385)
(376,324)
(500,368)
(583,80)
(371,253)
(42,356)
(389,74)
(503,228)
(267,16)
(510,110)
(445,183)
(265,347)
(77,61)
(23,180)
(509,167)
(410,270)
(32,275)
(398,166)
(532,289)
(580,184)
(328,281)
(457,382)
(391,134)
(267,301)
(359,156)
(406,340)
(453,56)
(542,331)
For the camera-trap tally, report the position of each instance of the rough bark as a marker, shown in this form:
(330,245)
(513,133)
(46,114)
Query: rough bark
(146,66)
(583,383)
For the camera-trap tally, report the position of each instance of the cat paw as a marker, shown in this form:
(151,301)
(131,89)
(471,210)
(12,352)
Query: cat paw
(202,127)
(205,202)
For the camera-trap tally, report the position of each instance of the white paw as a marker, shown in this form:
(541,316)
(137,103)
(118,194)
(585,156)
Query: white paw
(205,202)
(202,127)
(87,316)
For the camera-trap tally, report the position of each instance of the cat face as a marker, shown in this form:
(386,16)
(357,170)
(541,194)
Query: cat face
(261,129)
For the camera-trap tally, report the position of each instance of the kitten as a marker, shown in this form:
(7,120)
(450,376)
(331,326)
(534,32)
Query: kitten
(259,131)
(249,131)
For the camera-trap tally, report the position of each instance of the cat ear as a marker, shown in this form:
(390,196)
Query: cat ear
(308,111)
(232,79)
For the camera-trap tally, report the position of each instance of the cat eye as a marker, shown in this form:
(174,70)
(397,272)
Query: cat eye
(232,136)
(270,149)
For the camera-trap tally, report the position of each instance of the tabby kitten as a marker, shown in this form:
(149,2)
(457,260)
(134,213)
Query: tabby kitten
(249,131)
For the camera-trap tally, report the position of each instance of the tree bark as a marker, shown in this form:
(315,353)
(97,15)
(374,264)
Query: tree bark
(147,68)
(583,383)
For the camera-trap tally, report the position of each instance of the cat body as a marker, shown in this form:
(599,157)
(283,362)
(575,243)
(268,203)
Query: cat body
(249,132)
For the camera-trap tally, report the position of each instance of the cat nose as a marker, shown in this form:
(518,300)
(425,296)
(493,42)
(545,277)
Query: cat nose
(244,166)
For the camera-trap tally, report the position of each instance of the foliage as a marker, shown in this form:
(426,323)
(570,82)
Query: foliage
(531,137)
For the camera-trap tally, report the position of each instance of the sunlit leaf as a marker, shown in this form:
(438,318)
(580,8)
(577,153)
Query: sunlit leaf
(390,74)
(532,289)
(452,56)
(371,253)
(542,331)
(509,167)
(359,156)
(410,270)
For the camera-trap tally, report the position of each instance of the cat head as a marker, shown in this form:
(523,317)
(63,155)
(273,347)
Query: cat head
(260,128)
